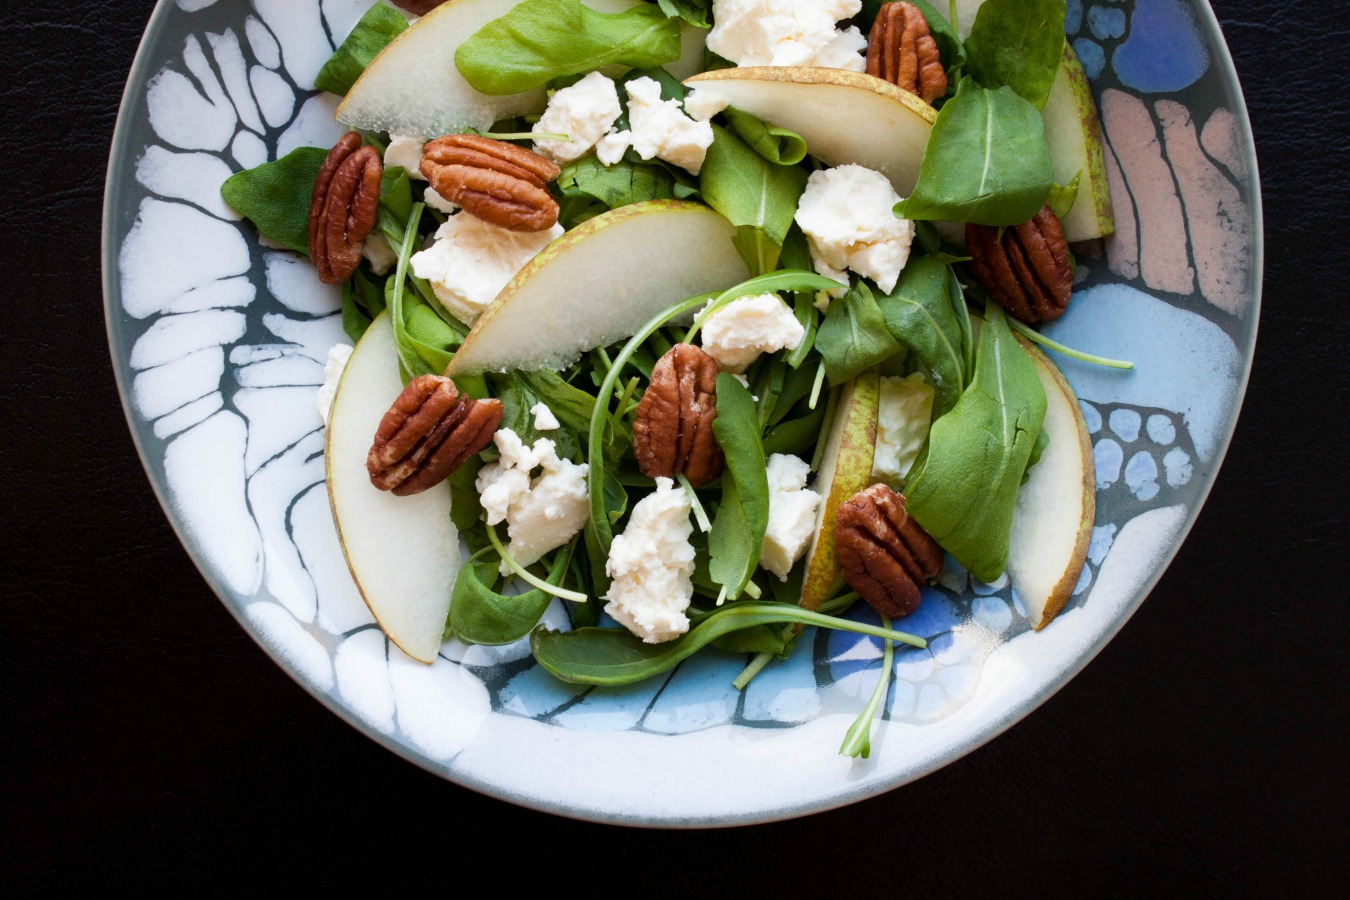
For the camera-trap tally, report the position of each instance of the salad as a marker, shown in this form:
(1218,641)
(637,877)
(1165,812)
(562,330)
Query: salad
(707,319)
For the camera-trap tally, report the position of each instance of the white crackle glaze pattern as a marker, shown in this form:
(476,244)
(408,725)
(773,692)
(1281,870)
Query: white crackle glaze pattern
(224,341)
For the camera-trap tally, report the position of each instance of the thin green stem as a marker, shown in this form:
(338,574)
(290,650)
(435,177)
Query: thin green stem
(532,580)
(522,135)
(753,590)
(1036,337)
(858,738)
(815,385)
(700,514)
(749,672)
(400,274)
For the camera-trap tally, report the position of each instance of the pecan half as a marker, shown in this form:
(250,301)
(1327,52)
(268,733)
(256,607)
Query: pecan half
(901,50)
(428,433)
(1027,272)
(417,7)
(672,433)
(342,207)
(884,553)
(500,183)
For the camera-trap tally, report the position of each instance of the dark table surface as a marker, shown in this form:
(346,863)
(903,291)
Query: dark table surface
(149,743)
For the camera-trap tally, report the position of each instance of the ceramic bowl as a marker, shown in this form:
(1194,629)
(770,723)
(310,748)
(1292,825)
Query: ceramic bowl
(218,342)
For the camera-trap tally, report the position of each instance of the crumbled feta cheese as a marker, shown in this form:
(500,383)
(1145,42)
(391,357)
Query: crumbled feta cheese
(405,150)
(658,128)
(541,512)
(433,199)
(792,514)
(544,419)
(338,355)
(904,413)
(584,112)
(378,253)
(652,567)
(471,261)
(702,105)
(847,214)
(739,332)
(787,33)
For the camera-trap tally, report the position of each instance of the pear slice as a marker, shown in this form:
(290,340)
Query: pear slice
(844,117)
(599,283)
(403,552)
(845,469)
(1075,138)
(412,86)
(1052,522)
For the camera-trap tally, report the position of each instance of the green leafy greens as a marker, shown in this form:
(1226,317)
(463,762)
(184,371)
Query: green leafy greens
(743,515)
(986,161)
(376,29)
(539,41)
(1017,43)
(275,196)
(964,492)
(757,196)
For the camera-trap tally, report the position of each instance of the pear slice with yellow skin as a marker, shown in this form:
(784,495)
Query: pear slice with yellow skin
(1074,135)
(403,552)
(844,117)
(599,283)
(1052,521)
(413,87)
(845,469)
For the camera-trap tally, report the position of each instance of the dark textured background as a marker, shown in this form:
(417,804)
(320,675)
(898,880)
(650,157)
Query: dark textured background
(149,744)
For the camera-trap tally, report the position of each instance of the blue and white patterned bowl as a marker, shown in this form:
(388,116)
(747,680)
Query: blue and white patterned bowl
(218,342)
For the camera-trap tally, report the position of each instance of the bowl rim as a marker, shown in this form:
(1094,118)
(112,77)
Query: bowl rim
(120,150)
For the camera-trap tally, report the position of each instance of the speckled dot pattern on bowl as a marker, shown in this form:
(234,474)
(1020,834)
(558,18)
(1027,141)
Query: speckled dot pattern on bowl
(219,341)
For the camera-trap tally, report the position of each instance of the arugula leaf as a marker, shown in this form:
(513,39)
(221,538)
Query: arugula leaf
(778,145)
(541,40)
(615,656)
(854,336)
(377,28)
(362,301)
(755,195)
(1062,196)
(695,12)
(986,161)
(570,404)
(621,184)
(518,398)
(1017,43)
(481,615)
(743,515)
(396,193)
(275,196)
(919,314)
(965,491)
(796,436)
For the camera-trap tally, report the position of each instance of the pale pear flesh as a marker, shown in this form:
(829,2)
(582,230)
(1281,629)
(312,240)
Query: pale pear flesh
(845,469)
(1052,521)
(844,117)
(1074,135)
(403,552)
(412,87)
(599,283)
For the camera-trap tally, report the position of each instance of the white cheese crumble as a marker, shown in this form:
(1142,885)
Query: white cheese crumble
(541,512)
(652,567)
(544,419)
(433,199)
(378,253)
(658,129)
(471,261)
(405,150)
(792,514)
(847,215)
(584,112)
(703,105)
(904,413)
(787,33)
(739,332)
(338,355)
